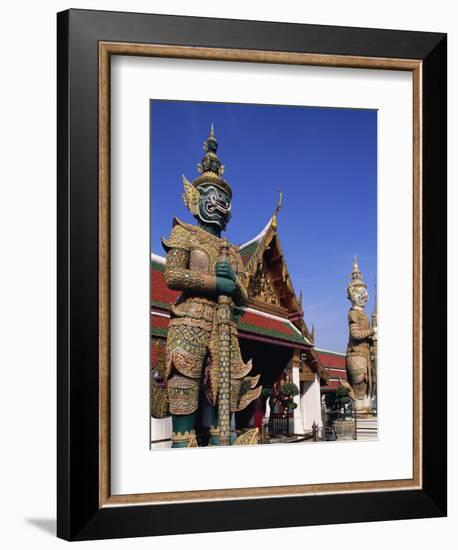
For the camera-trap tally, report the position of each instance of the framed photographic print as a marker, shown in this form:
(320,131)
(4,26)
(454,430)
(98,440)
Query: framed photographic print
(252,274)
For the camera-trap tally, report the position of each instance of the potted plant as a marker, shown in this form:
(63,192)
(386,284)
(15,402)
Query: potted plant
(344,426)
(288,392)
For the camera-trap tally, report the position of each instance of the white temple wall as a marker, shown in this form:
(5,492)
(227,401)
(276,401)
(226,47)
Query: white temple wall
(311,404)
(298,417)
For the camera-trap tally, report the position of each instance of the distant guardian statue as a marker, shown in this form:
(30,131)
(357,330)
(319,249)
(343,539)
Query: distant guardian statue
(362,337)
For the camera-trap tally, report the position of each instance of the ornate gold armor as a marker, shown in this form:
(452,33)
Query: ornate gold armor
(192,342)
(358,351)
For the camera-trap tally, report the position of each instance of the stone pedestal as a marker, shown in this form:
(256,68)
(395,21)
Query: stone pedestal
(345,430)
(364,406)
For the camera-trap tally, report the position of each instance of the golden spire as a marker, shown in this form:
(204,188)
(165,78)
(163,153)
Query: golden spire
(210,167)
(356,277)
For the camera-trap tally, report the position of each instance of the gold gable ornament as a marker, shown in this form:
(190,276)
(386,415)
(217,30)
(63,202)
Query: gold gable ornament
(249,437)
(262,288)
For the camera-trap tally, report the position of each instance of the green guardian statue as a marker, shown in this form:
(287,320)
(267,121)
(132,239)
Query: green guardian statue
(202,352)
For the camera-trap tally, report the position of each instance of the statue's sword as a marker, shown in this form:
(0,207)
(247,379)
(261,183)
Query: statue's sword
(224,355)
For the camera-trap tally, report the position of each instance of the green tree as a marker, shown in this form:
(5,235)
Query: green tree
(342,399)
(289,389)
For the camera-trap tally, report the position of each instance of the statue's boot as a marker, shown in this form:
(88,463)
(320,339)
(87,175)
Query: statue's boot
(214,429)
(248,436)
(183,434)
(214,436)
(184,439)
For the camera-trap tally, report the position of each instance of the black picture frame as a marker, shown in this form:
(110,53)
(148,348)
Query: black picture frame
(80,516)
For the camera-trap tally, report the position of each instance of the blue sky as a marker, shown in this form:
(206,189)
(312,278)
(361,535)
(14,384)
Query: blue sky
(324,161)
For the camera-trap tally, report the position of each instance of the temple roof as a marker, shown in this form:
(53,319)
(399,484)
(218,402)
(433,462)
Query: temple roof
(248,250)
(333,365)
(262,253)
(266,246)
(248,319)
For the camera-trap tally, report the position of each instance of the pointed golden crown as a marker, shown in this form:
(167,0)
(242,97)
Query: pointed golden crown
(356,277)
(211,170)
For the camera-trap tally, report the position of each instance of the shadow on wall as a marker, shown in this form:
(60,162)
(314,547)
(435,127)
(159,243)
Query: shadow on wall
(48,525)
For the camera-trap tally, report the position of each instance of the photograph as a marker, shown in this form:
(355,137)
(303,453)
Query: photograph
(263,292)
(232,229)
(251,253)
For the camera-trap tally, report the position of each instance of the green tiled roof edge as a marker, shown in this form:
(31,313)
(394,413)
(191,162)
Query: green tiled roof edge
(163,305)
(268,332)
(156,331)
(249,250)
(157,266)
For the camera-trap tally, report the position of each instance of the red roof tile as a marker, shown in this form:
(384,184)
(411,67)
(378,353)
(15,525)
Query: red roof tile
(158,321)
(160,292)
(332,384)
(331,360)
(257,320)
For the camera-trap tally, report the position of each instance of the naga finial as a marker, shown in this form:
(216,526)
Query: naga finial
(277,210)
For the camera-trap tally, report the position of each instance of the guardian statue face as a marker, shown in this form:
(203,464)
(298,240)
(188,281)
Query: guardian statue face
(359,296)
(214,206)
(208,197)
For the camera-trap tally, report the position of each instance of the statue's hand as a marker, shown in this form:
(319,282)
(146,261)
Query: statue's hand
(224,269)
(225,286)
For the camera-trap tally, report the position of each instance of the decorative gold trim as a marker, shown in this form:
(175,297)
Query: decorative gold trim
(279,311)
(258,56)
(106,50)
(262,492)
(104,275)
(417,273)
